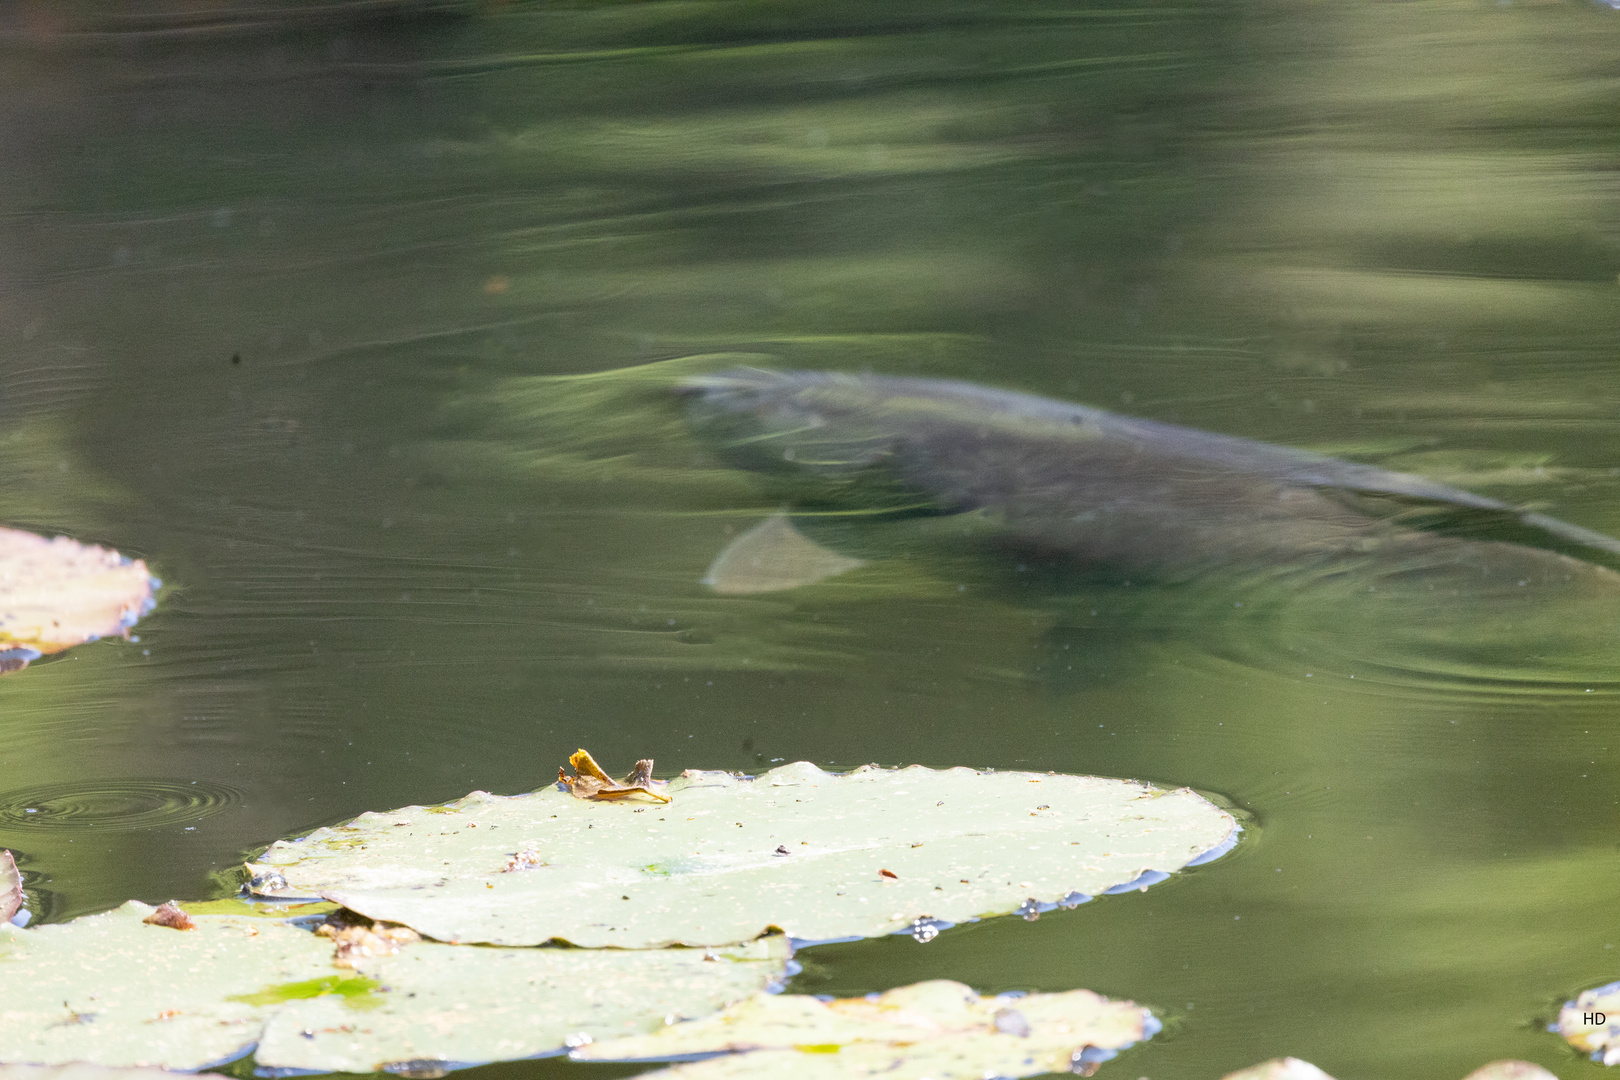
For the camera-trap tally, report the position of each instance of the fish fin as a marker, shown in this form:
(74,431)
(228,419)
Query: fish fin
(773,556)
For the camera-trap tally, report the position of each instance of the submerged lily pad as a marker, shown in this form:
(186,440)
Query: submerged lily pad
(113,990)
(55,594)
(937,1029)
(818,855)
(1576,1023)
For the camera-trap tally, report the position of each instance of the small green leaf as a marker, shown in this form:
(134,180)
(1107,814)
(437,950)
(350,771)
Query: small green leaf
(357,991)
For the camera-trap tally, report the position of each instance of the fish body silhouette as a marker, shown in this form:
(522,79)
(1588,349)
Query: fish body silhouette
(1057,482)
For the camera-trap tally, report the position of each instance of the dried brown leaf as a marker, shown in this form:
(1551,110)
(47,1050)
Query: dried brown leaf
(592,783)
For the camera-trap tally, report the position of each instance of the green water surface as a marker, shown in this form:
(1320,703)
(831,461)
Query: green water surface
(280,286)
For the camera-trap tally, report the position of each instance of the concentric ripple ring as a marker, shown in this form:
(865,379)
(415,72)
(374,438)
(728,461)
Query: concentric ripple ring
(114,805)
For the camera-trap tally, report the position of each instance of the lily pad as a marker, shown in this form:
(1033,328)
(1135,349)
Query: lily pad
(817,855)
(1578,1023)
(55,594)
(11,894)
(1295,1069)
(935,1029)
(112,990)
(1510,1070)
(1288,1068)
(115,990)
(80,1071)
(452,1005)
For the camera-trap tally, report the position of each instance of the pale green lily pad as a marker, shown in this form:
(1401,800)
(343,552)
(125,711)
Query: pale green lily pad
(1288,1068)
(1510,1070)
(1599,1040)
(112,990)
(11,894)
(817,855)
(462,1005)
(935,1029)
(81,1071)
(55,594)
(1295,1069)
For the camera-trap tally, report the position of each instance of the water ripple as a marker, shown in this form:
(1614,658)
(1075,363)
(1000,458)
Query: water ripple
(114,805)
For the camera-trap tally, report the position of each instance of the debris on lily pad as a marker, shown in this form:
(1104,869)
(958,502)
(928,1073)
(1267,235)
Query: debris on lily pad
(55,594)
(796,849)
(113,990)
(359,939)
(593,783)
(937,1029)
(170,915)
(11,894)
(1591,1023)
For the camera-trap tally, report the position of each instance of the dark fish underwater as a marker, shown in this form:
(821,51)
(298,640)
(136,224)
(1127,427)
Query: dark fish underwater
(1153,524)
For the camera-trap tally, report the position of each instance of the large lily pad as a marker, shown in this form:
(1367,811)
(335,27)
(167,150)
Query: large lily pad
(818,855)
(935,1029)
(115,990)
(55,594)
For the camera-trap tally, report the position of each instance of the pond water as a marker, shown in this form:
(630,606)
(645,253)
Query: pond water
(280,291)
